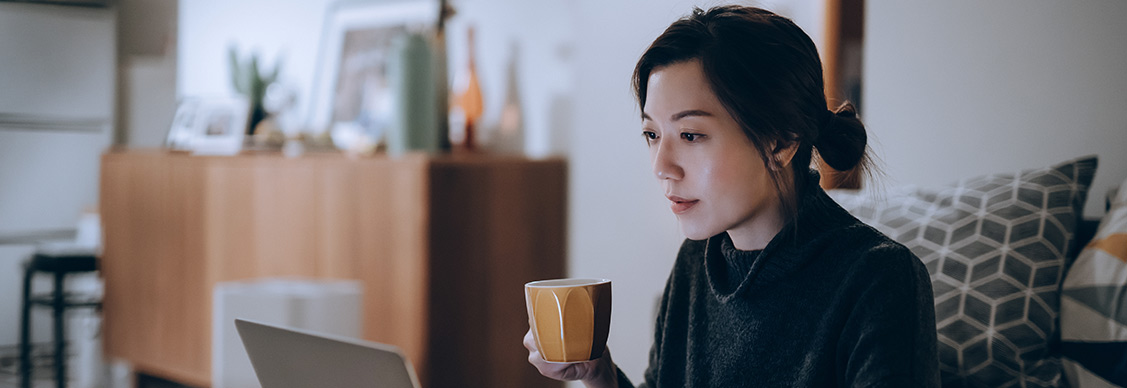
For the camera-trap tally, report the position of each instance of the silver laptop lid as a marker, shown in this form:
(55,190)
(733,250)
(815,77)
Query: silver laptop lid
(291,358)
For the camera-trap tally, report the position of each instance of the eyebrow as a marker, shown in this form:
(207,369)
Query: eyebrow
(681,114)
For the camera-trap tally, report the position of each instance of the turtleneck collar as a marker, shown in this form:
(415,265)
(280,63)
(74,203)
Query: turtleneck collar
(737,263)
(816,215)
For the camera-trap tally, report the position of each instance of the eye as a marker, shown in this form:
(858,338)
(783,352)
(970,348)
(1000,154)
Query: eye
(649,135)
(691,137)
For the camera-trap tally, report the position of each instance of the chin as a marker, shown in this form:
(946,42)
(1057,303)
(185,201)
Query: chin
(696,232)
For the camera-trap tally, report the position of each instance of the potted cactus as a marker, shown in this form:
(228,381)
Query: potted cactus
(251,81)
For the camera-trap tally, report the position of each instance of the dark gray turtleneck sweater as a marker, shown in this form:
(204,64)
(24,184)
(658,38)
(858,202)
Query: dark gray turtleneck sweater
(829,302)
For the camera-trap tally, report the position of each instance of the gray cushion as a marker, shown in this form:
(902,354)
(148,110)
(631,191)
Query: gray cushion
(996,248)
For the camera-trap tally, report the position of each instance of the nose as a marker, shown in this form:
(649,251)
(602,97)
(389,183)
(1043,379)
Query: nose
(665,163)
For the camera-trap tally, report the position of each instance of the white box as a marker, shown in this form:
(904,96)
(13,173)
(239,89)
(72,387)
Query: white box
(330,306)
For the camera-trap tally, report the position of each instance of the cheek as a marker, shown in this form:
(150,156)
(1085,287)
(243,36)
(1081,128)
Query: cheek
(737,177)
(741,186)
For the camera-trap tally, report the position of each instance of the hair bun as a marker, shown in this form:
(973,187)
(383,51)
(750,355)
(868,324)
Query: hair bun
(842,139)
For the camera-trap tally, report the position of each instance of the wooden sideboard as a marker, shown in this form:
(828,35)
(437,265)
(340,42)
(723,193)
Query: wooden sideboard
(442,247)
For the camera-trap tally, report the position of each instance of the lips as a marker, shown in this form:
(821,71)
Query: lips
(681,205)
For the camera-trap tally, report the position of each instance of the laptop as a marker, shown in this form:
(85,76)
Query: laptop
(291,358)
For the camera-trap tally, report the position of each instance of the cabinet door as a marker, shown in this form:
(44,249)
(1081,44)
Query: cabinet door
(56,108)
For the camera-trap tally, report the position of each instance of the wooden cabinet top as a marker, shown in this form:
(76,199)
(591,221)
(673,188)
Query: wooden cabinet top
(452,159)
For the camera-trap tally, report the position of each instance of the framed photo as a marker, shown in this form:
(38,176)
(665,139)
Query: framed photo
(352,82)
(183,128)
(209,126)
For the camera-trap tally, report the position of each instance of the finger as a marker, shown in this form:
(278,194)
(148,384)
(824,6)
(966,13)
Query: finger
(555,371)
(537,359)
(529,341)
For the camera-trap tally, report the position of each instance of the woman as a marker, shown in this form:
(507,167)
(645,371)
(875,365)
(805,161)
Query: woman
(776,285)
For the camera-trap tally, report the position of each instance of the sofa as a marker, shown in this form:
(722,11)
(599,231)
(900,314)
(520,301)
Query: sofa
(1027,292)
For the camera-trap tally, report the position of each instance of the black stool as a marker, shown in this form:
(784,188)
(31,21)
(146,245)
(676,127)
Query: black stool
(59,301)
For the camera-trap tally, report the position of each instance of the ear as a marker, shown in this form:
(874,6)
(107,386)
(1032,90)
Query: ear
(781,154)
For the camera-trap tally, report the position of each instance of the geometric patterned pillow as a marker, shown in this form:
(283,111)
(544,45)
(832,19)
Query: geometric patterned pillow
(1094,303)
(995,247)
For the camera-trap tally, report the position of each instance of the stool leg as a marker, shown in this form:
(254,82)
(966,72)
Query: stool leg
(60,333)
(25,330)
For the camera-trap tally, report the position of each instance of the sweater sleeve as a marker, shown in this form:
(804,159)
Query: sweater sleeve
(889,339)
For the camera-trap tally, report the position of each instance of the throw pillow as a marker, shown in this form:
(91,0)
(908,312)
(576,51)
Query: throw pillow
(1094,303)
(995,246)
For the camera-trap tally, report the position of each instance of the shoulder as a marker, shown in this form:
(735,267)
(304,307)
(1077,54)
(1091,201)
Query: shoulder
(875,255)
(836,232)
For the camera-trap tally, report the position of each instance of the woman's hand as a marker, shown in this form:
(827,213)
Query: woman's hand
(599,372)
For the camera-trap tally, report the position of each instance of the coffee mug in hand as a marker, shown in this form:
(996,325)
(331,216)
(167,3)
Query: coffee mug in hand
(569,318)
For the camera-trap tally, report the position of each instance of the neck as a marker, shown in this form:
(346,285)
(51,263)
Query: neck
(756,232)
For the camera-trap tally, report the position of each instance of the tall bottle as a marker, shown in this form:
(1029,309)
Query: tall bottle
(442,97)
(509,137)
(469,99)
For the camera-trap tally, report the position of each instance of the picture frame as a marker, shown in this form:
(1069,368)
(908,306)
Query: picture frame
(351,81)
(209,126)
(182,130)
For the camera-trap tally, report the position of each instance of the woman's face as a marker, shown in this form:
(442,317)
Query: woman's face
(710,171)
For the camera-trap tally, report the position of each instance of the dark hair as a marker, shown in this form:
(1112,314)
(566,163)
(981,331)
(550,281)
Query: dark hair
(767,74)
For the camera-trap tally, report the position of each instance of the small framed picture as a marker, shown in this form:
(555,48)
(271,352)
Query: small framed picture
(352,84)
(183,128)
(209,126)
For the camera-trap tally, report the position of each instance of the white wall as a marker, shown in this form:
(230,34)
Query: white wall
(147,71)
(286,29)
(960,88)
(148,97)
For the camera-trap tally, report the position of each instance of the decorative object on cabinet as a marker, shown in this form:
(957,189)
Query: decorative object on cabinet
(467,104)
(352,82)
(414,124)
(209,126)
(183,128)
(251,81)
(509,135)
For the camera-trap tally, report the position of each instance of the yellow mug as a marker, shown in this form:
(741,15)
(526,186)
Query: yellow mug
(569,318)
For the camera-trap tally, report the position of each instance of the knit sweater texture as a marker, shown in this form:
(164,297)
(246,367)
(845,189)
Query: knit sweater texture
(829,302)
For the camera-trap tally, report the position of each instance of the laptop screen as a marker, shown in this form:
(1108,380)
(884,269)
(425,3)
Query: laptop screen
(292,358)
